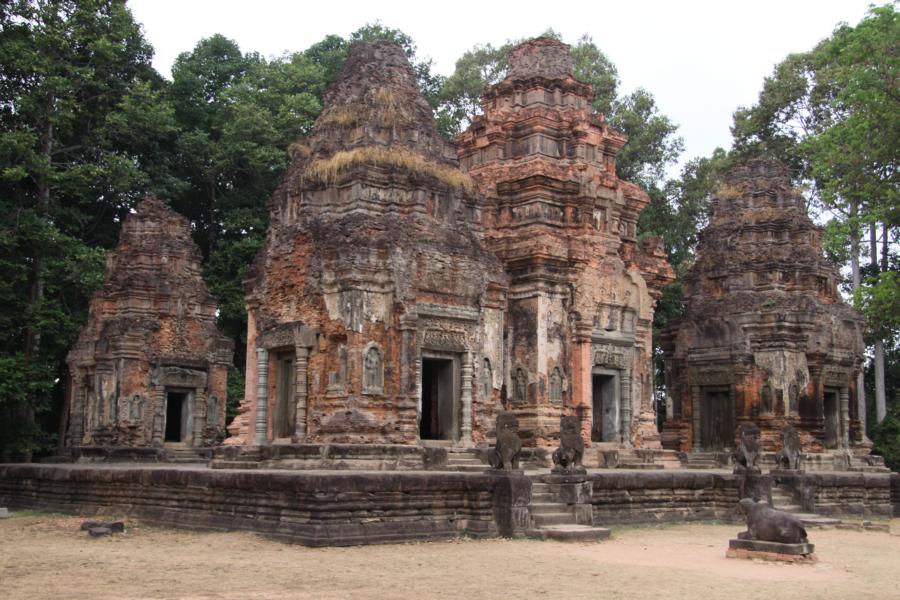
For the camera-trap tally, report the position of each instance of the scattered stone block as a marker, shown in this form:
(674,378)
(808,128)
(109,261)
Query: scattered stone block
(4,512)
(803,552)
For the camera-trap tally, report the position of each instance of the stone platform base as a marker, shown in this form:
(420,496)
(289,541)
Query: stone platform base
(774,551)
(570,533)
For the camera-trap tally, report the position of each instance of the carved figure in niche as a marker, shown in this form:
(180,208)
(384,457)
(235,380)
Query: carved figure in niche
(747,452)
(212,411)
(520,386)
(338,379)
(789,455)
(793,398)
(613,322)
(373,377)
(765,396)
(505,454)
(556,386)
(766,524)
(135,408)
(488,383)
(571,446)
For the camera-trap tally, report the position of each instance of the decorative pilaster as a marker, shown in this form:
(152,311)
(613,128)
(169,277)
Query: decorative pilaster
(301,364)
(262,395)
(198,409)
(845,417)
(156,438)
(466,397)
(626,407)
(695,416)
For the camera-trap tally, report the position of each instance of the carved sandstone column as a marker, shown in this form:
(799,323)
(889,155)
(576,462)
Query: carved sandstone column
(198,408)
(695,416)
(466,398)
(262,395)
(301,364)
(845,416)
(626,407)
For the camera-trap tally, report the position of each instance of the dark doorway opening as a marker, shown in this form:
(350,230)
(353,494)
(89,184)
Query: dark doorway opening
(832,419)
(285,406)
(176,405)
(437,422)
(717,420)
(604,427)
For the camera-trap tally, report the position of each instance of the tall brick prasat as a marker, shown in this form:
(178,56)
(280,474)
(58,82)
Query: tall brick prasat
(765,336)
(374,304)
(150,367)
(403,294)
(582,287)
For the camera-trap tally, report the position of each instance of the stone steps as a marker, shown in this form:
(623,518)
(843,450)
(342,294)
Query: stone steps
(541,520)
(570,533)
(465,461)
(782,499)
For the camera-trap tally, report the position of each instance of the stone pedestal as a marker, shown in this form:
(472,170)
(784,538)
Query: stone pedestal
(512,498)
(575,490)
(775,551)
(755,485)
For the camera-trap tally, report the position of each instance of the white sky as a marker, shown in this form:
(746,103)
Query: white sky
(701,59)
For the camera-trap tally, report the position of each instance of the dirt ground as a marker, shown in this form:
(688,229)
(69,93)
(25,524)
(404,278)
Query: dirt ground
(46,556)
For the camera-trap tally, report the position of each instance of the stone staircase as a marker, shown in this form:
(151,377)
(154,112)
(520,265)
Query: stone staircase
(782,499)
(189,455)
(465,460)
(635,460)
(702,460)
(556,520)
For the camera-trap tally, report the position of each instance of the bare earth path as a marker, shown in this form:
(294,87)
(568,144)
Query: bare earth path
(44,556)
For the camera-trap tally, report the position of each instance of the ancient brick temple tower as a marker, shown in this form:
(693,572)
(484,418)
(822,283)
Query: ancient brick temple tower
(765,336)
(582,287)
(375,310)
(150,366)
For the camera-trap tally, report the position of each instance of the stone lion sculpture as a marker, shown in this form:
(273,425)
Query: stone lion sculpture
(571,444)
(789,455)
(747,452)
(766,524)
(505,454)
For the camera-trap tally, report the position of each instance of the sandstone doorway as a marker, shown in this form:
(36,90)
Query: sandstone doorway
(716,420)
(285,404)
(605,409)
(178,415)
(832,418)
(439,400)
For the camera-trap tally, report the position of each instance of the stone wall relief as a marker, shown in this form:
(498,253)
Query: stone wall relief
(212,411)
(337,379)
(373,369)
(520,386)
(135,409)
(487,380)
(557,386)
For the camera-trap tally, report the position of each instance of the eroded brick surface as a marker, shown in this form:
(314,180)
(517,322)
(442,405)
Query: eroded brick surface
(150,341)
(400,297)
(765,336)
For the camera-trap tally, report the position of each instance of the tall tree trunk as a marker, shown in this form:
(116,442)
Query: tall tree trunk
(32,341)
(878,360)
(853,213)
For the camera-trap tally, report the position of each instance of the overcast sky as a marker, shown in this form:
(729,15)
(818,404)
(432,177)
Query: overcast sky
(700,59)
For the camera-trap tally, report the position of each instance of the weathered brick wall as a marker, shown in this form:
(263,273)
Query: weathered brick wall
(311,509)
(867,494)
(895,493)
(628,497)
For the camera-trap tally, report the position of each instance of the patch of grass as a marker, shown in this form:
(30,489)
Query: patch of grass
(380,106)
(327,170)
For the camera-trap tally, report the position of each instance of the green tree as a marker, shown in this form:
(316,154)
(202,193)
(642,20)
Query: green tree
(70,169)
(831,113)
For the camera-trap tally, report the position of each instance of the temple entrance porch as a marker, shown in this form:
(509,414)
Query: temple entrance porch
(440,398)
(179,415)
